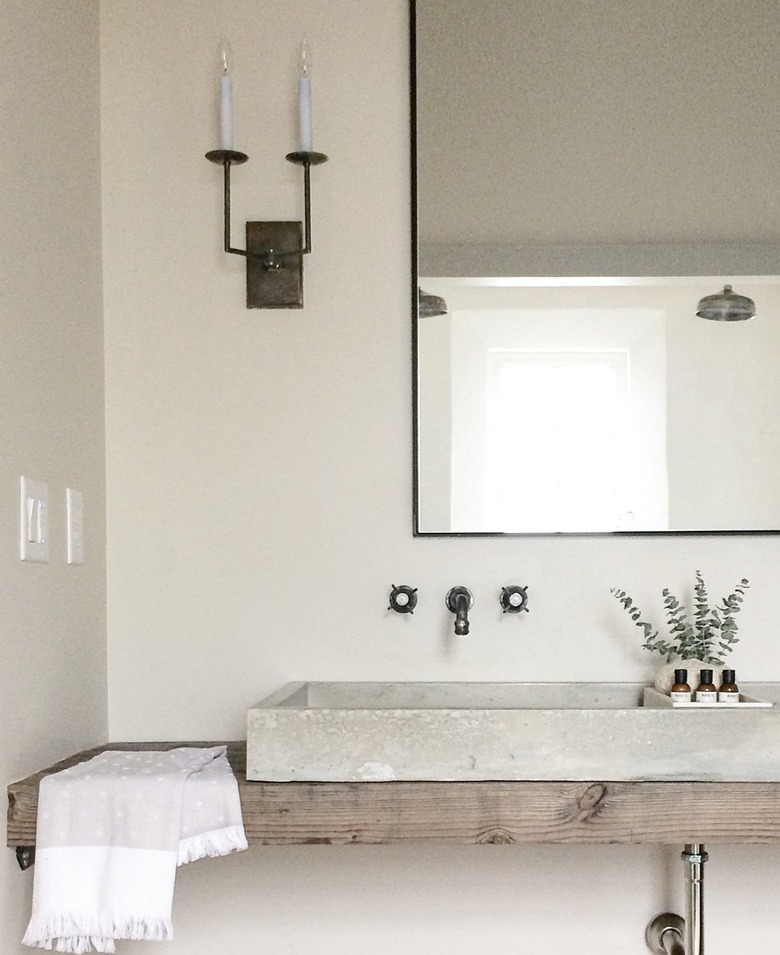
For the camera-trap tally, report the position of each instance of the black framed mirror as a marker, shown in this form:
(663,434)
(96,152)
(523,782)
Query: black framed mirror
(580,179)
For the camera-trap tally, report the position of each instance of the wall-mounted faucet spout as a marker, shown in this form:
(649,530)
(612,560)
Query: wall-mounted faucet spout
(459,601)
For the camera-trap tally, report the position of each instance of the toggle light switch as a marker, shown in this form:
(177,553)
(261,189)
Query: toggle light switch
(34,521)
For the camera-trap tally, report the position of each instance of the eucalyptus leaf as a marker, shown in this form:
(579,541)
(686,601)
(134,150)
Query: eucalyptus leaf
(708,635)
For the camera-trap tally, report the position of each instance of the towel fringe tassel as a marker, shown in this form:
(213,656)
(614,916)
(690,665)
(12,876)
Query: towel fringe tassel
(217,842)
(77,936)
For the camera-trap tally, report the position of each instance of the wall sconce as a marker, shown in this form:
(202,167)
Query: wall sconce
(274,250)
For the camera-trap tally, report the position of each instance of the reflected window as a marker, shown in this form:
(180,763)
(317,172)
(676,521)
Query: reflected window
(546,420)
(555,423)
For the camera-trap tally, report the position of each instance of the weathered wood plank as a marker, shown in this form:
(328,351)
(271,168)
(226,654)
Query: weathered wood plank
(509,812)
(470,812)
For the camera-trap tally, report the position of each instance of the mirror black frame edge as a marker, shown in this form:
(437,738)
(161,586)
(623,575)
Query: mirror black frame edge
(414,302)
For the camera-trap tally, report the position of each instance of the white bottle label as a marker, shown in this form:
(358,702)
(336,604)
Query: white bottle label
(732,698)
(706,696)
(680,697)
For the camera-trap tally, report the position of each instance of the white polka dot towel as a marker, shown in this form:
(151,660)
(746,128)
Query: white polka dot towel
(110,834)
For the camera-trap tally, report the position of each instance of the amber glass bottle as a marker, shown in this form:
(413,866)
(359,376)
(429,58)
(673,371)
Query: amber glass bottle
(681,691)
(706,691)
(728,691)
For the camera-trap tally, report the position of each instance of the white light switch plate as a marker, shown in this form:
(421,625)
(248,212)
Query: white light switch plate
(74,502)
(34,521)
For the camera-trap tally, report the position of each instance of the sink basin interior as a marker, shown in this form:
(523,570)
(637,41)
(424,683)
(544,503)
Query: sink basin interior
(456,696)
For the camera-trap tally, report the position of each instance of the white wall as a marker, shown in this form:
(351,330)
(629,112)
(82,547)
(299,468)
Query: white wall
(259,498)
(53,672)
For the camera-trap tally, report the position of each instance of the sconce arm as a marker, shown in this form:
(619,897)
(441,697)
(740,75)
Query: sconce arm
(227,158)
(271,258)
(307,160)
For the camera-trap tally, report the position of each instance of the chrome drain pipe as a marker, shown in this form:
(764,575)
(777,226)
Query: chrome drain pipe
(695,857)
(668,934)
(664,935)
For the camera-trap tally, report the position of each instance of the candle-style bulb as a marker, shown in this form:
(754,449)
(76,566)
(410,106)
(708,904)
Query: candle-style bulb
(225,58)
(305,61)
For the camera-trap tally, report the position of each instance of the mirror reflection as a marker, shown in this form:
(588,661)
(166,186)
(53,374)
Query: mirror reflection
(596,408)
(557,142)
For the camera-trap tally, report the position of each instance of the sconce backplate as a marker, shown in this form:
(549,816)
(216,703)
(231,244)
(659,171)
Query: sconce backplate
(279,285)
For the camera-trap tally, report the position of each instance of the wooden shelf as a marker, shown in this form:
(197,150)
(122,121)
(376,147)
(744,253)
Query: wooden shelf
(467,813)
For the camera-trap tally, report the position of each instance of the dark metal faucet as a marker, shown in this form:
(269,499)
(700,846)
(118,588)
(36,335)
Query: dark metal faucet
(459,601)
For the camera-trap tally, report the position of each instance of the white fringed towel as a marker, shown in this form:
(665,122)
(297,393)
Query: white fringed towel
(110,834)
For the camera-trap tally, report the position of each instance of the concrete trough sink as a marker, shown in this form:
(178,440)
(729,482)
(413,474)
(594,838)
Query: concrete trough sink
(501,731)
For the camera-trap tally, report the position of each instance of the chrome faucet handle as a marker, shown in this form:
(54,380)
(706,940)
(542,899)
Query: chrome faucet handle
(514,599)
(403,599)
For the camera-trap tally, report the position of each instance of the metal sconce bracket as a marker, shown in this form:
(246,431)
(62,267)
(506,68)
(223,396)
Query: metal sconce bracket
(273,281)
(25,856)
(274,250)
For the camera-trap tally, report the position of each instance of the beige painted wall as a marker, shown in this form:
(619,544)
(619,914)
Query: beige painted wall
(53,672)
(259,479)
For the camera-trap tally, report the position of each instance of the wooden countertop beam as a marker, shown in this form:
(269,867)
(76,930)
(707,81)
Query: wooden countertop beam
(467,813)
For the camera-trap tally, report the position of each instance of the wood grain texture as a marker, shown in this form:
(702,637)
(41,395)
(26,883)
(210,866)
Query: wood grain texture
(468,813)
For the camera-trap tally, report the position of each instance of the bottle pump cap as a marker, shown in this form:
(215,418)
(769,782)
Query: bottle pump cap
(680,676)
(705,676)
(729,676)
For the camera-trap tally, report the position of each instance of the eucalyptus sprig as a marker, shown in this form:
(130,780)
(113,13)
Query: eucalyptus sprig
(708,636)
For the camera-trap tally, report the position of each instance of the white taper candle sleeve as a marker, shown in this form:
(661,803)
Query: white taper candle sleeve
(304,106)
(226,112)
